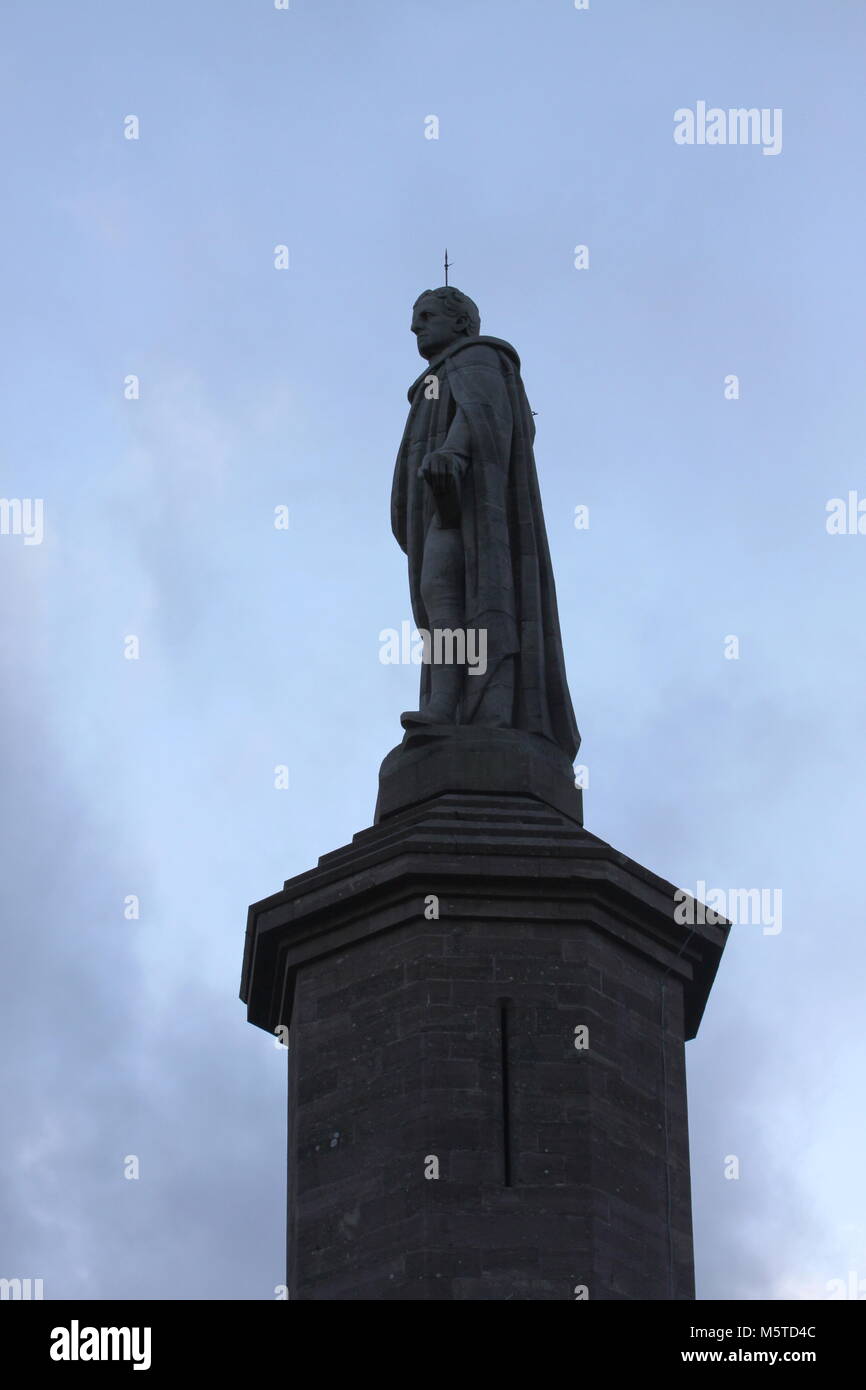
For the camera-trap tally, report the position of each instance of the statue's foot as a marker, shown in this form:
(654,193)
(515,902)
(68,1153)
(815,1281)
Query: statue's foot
(415,719)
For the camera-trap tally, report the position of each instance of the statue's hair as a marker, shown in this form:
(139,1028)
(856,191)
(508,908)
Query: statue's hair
(454,303)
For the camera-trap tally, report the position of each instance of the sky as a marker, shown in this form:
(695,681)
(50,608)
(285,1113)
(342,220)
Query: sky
(699,387)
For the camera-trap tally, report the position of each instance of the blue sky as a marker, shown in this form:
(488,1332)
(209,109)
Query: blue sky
(259,647)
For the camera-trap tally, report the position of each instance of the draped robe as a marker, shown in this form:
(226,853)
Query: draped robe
(509,587)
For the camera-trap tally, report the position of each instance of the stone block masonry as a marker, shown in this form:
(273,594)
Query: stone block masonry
(487,1008)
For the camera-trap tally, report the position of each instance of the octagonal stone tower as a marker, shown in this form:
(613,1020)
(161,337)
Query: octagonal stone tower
(487,1008)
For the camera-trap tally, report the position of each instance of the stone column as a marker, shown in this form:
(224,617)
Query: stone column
(487,1008)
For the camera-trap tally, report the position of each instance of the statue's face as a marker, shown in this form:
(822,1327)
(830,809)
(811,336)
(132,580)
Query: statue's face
(435,330)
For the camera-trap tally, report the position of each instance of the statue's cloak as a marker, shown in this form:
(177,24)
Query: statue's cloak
(509,579)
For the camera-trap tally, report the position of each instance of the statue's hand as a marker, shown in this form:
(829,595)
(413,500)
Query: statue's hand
(440,471)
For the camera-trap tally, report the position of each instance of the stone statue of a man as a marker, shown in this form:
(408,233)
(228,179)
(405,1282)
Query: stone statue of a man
(465,508)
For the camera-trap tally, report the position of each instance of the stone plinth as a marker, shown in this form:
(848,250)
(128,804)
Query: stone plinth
(451,758)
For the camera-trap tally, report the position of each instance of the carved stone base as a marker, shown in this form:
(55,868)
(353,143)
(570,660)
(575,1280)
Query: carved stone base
(447,758)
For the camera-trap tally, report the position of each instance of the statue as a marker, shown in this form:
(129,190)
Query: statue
(466,510)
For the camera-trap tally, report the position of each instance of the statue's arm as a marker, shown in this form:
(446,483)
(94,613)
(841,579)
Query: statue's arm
(477,385)
(458,443)
(452,458)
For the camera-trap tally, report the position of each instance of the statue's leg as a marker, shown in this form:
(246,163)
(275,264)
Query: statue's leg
(496,707)
(442,591)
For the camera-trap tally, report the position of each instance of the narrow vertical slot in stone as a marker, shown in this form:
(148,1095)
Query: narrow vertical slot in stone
(505,1099)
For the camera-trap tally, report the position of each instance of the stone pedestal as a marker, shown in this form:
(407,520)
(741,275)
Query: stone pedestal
(449,758)
(487,1009)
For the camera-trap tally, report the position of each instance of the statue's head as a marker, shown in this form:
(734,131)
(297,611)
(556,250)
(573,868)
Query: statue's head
(440,317)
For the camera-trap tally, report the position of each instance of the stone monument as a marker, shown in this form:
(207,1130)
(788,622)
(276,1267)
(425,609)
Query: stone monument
(486,1005)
